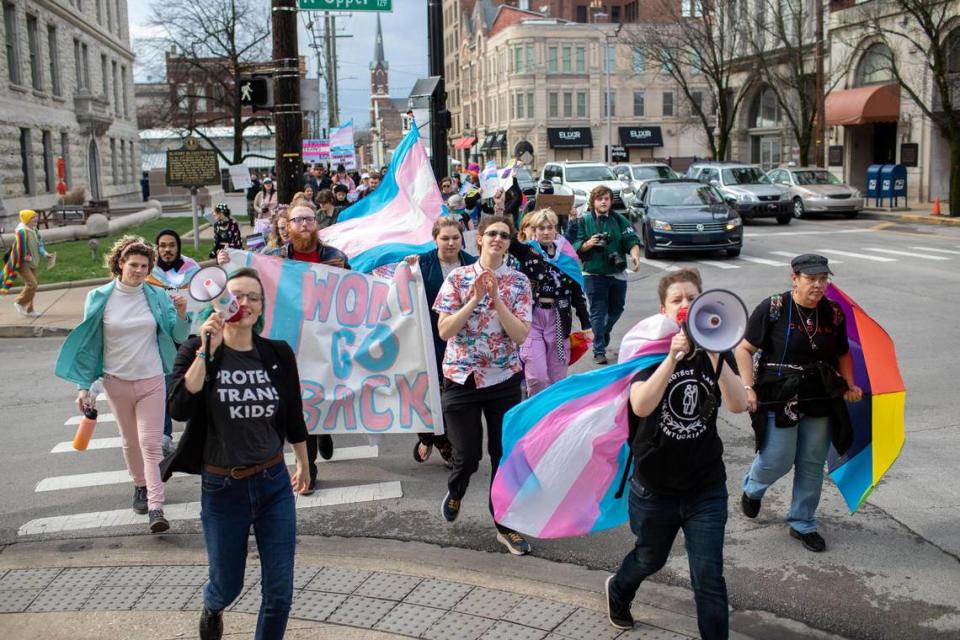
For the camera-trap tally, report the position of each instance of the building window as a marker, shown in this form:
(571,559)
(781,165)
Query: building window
(764,110)
(85,54)
(567,105)
(12,39)
(123,161)
(631,11)
(99,11)
(183,98)
(552,60)
(639,61)
(691,8)
(26,161)
(109,16)
(530,105)
(49,172)
(697,98)
(615,15)
(518,59)
(875,66)
(65,154)
(610,104)
(553,105)
(104,78)
(53,51)
(123,82)
(638,103)
(581,13)
(609,58)
(567,59)
(119,19)
(581,60)
(114,161)
(953,52)
(582,104)
(520,111)
(530,67)
(667,103)
(33,46)
(116,86)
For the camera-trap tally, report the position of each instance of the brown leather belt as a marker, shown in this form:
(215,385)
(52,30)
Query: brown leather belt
(239,473)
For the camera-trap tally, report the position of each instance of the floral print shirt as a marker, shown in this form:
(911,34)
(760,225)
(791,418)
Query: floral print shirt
(483,347)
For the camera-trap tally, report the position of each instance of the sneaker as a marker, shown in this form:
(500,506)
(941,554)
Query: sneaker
(325,446)
(20,309)
(140,500)
(450,508)
(158,524)
(514,542)
(749,506)
(33,314)
(813,541)
(167,446)
(211,624)
(618,614)
(599,358)
(310,490)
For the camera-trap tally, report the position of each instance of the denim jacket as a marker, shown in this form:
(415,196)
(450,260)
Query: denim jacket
(81,356)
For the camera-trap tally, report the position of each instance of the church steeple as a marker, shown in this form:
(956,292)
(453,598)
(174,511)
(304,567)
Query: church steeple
(378,58)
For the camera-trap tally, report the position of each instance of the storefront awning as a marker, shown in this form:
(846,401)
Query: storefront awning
(488,142)
(569,138)
(464,143)
(877,103)
(641,136)
(501,140)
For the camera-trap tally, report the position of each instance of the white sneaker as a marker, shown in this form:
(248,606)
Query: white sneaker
(34,314)
(20,309)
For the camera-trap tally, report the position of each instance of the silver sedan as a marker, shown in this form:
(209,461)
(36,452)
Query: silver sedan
(816,190)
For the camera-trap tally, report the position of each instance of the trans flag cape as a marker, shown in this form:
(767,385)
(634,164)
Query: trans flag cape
(565,260)
(396,220)
(565,449)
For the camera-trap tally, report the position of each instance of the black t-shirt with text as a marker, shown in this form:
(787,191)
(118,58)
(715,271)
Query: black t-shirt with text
(677,449)
(243,408)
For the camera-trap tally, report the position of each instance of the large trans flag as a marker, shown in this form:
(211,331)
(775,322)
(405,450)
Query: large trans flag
(396,220)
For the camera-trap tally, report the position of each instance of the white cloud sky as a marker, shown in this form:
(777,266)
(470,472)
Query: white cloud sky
(404,42)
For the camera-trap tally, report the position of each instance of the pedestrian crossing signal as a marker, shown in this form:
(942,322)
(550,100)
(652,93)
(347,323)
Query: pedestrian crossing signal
(254,92)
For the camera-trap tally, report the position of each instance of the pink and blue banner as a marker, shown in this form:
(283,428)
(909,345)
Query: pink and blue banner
(565,258)
(396,220)
(565,449)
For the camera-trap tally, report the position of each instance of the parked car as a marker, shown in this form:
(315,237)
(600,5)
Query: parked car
(684,215)
(526,181)
(578,178)
(815,190)
(746,188)
(635,174)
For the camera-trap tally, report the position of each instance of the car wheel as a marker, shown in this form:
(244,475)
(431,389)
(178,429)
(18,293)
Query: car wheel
(850,215)
(733,253)
(797,208)
(785,219)
(648,251)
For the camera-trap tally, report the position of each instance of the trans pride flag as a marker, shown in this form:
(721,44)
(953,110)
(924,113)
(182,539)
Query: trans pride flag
(396,220)
(565,258)
(565,449)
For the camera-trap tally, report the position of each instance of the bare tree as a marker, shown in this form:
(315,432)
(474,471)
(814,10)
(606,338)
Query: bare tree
(218,41)
(697,43)
(922,48)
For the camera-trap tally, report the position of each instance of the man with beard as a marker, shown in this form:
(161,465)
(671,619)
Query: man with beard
(306,246)
(172,272)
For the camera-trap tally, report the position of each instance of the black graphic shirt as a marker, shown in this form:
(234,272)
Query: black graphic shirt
(243,406)
(677,448)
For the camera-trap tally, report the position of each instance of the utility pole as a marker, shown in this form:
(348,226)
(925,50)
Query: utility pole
(438,105)
(819,90)
(287,117)
(330,60)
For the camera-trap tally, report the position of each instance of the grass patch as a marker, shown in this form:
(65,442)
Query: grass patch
(73,258)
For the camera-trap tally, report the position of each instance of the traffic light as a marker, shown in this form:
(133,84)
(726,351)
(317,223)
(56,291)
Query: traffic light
(254,92)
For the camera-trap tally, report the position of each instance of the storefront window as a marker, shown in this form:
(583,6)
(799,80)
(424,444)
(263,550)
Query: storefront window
(874,67)
(953,52)
(764,110)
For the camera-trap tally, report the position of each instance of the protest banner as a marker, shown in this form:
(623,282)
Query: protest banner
(364,344)
(316,150)
(489,180)
(240,176)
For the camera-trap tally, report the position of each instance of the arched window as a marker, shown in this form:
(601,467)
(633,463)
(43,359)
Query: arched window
(874,67)
(953,51)
(765,110)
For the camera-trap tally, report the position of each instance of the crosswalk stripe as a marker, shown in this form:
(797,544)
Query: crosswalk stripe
(103,417)
(100,478)
(97,443)
(664,266)
(191,510)
(908,254)
(934,249)
(788,254)
(755,234)
(718,264)
(769,263)
(863,256)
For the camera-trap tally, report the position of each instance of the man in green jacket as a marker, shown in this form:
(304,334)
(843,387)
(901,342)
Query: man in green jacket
(604,242)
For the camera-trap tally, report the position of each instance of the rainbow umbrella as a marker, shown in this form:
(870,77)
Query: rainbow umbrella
(878,420)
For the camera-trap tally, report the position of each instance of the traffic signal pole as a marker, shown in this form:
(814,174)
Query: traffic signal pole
(287,116)
(438,105)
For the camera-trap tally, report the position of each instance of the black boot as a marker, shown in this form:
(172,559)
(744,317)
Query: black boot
(211,624)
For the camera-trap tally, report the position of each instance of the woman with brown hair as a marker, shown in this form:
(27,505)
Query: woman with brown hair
(128,336)
(278,232)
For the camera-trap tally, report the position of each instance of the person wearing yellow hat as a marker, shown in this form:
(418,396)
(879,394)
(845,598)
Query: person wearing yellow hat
(22,260)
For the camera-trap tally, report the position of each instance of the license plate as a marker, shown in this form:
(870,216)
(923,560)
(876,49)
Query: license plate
(700,239)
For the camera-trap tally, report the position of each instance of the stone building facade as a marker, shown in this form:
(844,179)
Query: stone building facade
(66,91)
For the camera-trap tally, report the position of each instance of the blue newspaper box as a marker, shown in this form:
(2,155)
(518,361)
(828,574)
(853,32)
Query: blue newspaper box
(893,182)
(873,181)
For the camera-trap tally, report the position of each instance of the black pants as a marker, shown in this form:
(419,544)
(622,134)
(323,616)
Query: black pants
(312,449)
(463,407)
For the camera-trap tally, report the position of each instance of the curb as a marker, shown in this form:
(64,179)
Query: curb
(90,282)
(32,331)
(949,221)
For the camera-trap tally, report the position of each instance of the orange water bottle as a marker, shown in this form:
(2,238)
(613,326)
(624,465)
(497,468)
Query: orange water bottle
(87,424)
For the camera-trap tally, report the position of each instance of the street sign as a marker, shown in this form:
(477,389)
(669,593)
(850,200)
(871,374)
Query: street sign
(192,166)
(345,5)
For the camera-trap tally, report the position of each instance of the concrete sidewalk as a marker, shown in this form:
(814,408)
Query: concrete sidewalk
(150,587)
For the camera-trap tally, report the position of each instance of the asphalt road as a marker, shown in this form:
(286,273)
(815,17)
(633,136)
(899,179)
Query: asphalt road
(891,570)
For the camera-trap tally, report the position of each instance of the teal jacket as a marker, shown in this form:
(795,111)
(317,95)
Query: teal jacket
(81,356)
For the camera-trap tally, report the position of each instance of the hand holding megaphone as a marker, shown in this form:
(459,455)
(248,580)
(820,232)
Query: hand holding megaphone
(714,322)
(212,329)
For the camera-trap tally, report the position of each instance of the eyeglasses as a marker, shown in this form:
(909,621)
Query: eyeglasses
(303,220)
(250,297)
(503,235)
(824,279)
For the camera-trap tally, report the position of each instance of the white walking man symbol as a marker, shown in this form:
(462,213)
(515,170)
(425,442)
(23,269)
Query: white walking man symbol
(246,93)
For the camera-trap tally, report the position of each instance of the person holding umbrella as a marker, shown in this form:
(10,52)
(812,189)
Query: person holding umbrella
(804,374)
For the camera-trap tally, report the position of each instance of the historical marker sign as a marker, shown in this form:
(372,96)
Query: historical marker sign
(345,5)
(192,166)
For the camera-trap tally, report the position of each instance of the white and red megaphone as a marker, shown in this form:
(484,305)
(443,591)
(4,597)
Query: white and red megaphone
(210,285)
(715,321)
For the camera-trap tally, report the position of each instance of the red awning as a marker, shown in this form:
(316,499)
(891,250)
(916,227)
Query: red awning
(464,143)
(877,103)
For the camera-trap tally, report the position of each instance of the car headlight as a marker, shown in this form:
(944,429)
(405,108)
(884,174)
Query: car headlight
(733,223)
(746,197)
(786,196)
(661,225)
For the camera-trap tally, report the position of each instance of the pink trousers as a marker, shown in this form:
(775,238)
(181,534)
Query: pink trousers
(138,406)
(541,366)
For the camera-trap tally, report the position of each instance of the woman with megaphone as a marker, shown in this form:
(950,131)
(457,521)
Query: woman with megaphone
(679,479)
(239,394)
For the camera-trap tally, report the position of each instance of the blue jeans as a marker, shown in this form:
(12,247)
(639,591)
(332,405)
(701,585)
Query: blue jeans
(803,447)
(228,508)
(655,520)
(167,421)
(607,296)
